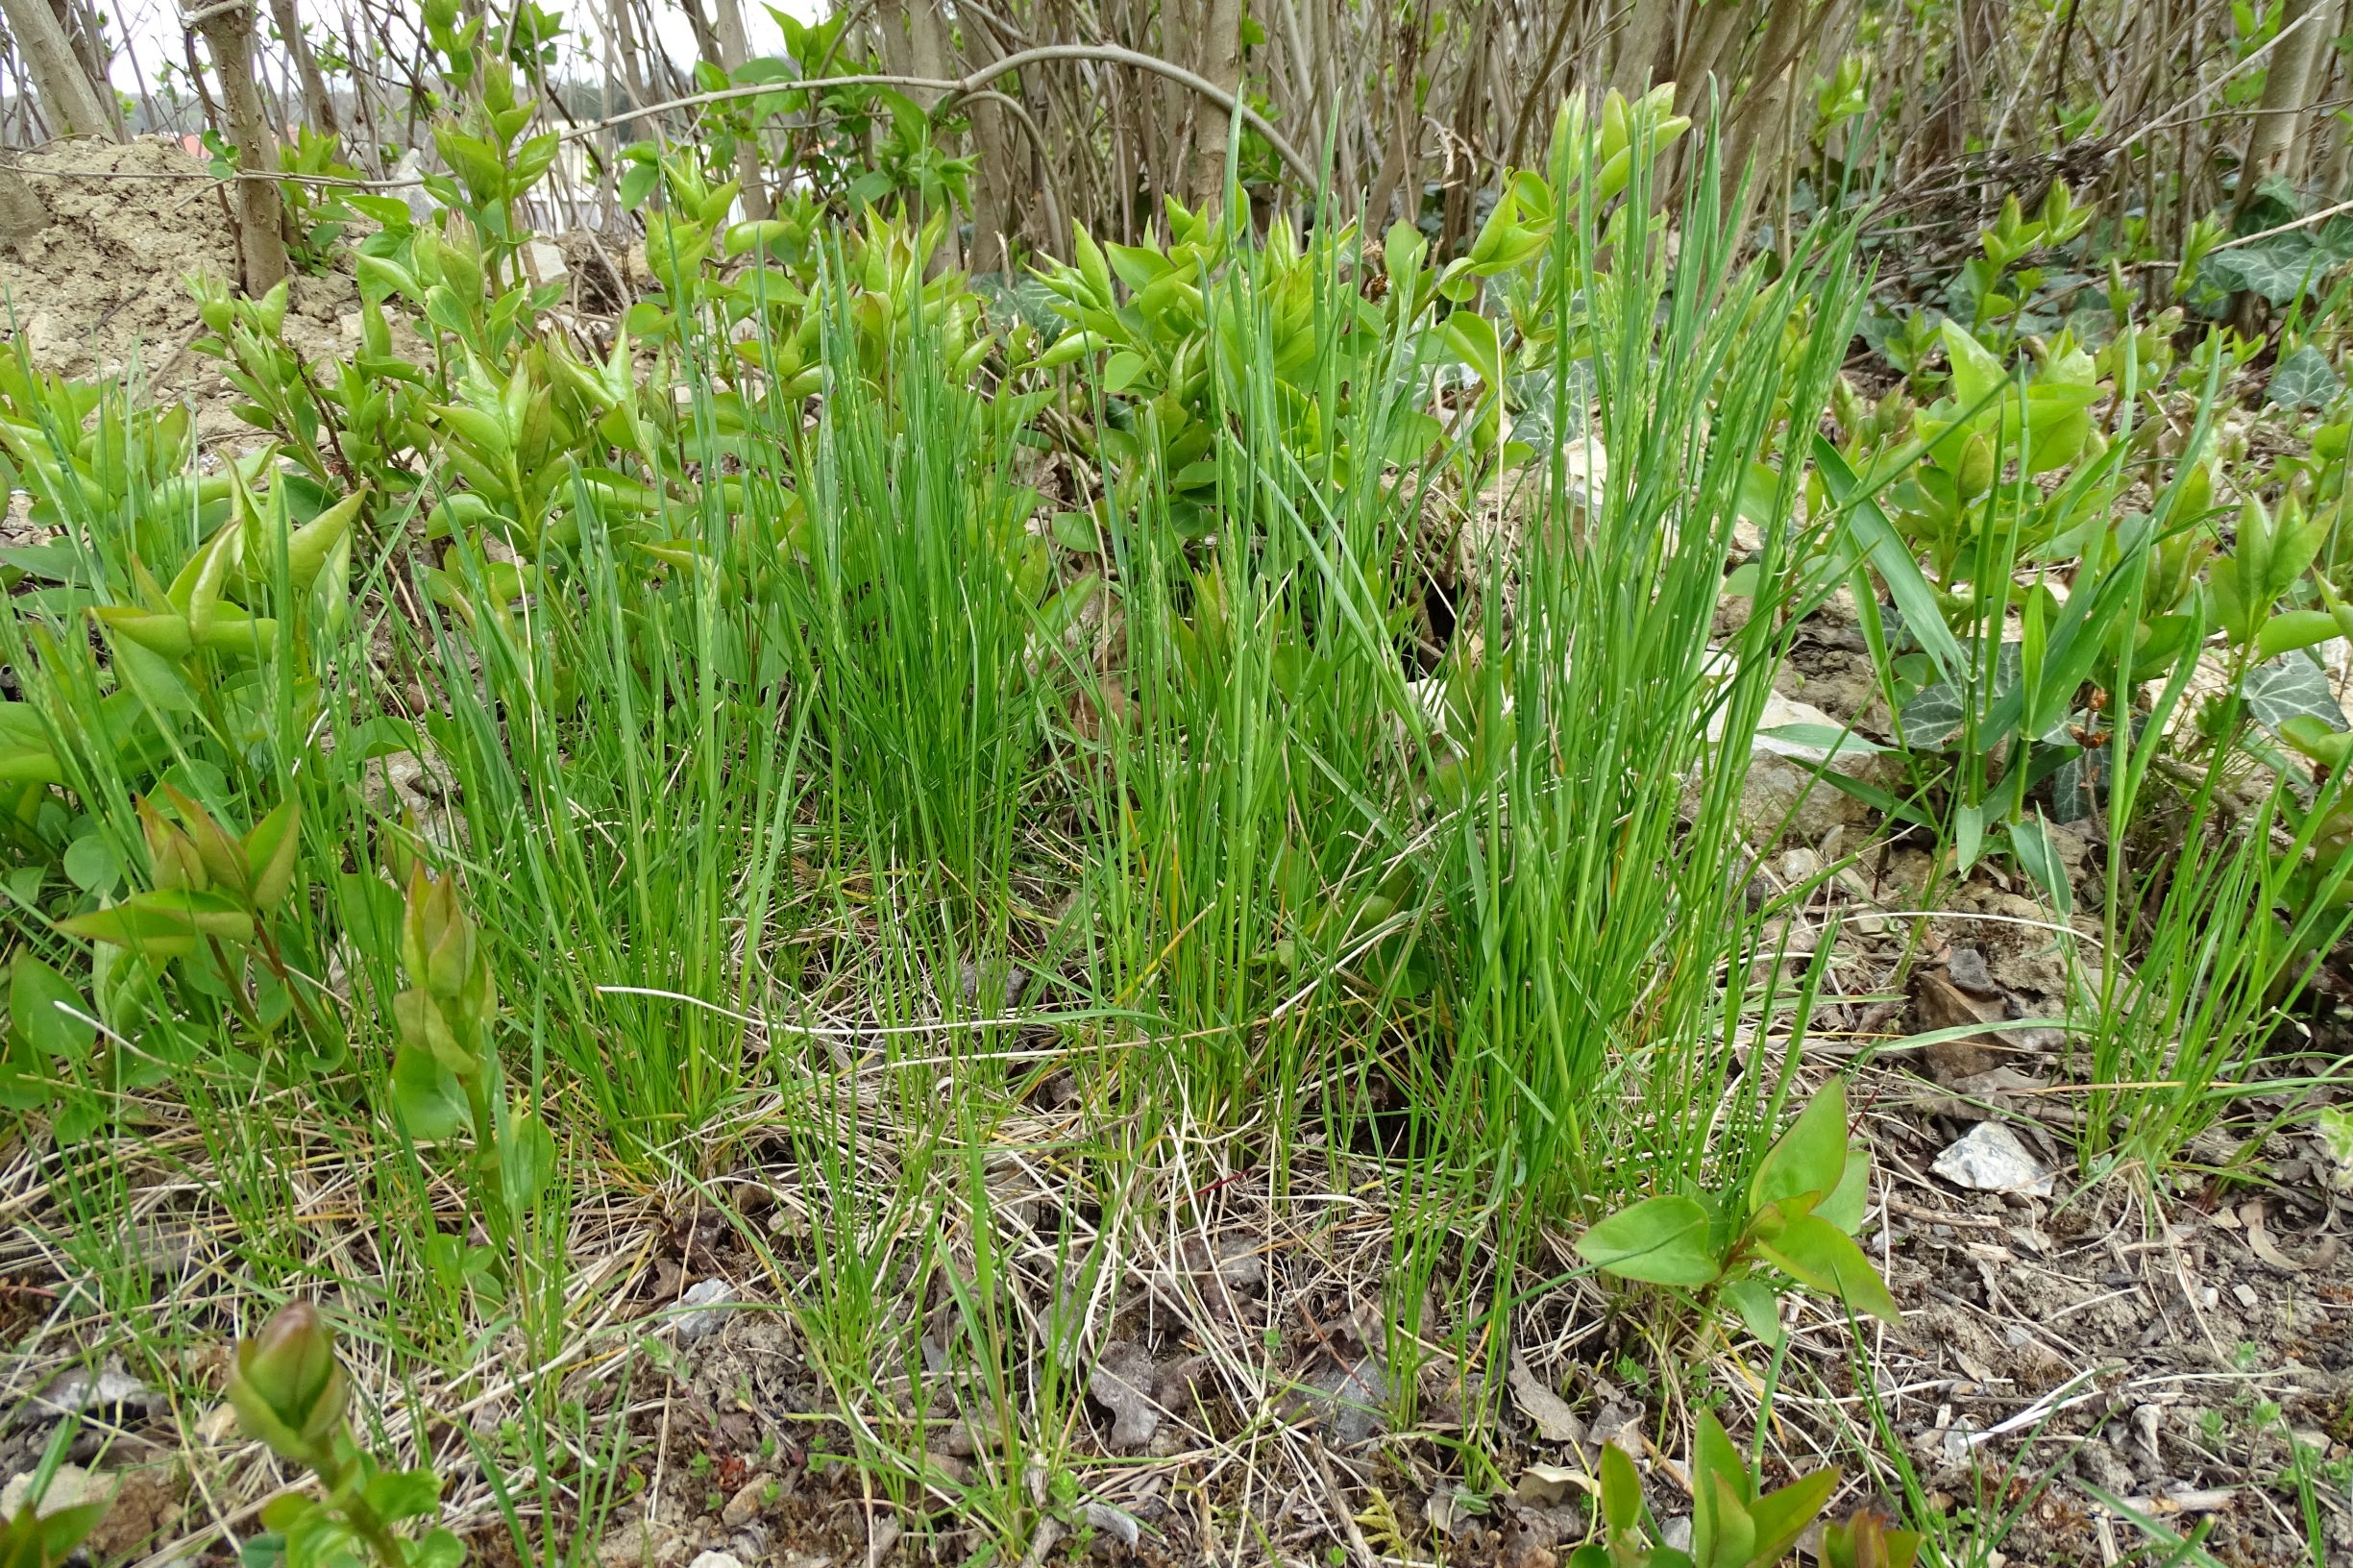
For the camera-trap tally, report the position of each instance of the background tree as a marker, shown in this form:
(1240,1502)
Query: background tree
(71,99)
(228,30)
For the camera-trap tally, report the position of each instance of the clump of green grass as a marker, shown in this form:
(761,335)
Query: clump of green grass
(819,793)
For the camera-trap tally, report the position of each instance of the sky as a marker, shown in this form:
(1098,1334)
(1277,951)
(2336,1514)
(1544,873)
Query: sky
(152,29)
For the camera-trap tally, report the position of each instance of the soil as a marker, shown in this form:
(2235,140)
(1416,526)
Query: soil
(102,282)
(2053,1350)
(2165,1356)
(95,283)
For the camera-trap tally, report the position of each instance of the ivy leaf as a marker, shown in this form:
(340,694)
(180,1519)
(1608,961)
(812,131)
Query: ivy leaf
(2079,789)
(2286,687)
(1658,1241)
(1531,396)
(2331,243)
(1934,715)
(2276,269)
(2304,379)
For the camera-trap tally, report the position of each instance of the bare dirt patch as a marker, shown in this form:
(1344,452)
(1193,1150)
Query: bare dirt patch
(103,281)
(94,271)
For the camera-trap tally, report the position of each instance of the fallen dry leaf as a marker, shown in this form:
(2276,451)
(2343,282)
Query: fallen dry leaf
(1938,1004)
(1555,1422)
(1545,1486)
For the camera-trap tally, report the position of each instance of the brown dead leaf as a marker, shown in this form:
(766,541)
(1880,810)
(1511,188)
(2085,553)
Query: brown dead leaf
(2258,1240)
(1938,1004)
(1548,1485)
(1555,1422)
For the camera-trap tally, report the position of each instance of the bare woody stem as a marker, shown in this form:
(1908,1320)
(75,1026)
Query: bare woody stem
(228,30)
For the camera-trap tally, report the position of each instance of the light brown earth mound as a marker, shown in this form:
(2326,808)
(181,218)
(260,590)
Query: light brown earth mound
(102,283)
(98,242)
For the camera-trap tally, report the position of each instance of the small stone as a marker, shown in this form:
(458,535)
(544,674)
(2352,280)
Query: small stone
(70,1487)
(77,1393)
(23,214)
(1675,1533)
(1621,1425)
(1524,1543)
(1790,729)
(641,1544)
(546,262)
(146,1505)
(1244,1270)
(959,1471)
(2101,1465)
(1990,1158)
(1965,967)
(1939,1006)
(1349,1399)
(1181,1385)
(1783,794)
(709,1304)
(139,1503)
(1122,1383)
(717,1559)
